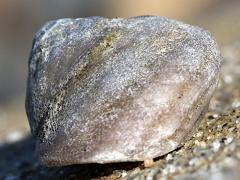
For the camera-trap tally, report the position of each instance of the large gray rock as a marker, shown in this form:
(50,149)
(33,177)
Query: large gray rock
(112,90)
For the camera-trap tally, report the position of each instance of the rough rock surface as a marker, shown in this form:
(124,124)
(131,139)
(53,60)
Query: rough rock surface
(103,90)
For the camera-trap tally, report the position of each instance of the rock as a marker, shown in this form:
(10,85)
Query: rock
(102,90)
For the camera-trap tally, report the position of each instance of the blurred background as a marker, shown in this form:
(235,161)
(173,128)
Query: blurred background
(20,19)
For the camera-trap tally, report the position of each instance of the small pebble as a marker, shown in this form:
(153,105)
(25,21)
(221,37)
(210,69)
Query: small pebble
(228,140)
(14,136)
(216,145)
(169,157)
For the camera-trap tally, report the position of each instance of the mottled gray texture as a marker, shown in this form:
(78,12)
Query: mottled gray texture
(102,90)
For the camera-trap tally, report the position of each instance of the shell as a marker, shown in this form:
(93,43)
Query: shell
(112,90)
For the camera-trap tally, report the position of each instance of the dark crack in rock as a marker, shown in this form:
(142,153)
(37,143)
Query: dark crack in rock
(114,90)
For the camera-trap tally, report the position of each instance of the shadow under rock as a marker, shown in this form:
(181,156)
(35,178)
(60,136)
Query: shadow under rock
(18,161)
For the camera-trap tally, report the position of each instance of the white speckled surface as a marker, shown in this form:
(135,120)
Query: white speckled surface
(103,90)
